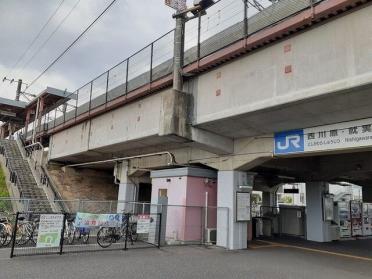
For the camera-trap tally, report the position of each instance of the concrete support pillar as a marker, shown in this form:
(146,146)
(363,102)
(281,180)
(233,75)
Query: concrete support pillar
(316,227)
(127,189)
(230,234)
(367,194)
(159,205)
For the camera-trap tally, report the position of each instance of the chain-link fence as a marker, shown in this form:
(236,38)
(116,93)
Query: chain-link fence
(225,23)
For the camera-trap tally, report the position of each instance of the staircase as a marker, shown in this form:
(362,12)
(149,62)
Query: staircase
(24,179)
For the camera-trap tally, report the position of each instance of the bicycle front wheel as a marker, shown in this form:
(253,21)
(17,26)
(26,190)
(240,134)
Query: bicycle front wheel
(24,234)
(3,235)
(85,237)
(35,232)
(133,232)
(71,236)
(105,237)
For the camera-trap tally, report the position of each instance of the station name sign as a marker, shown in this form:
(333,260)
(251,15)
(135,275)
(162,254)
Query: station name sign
(343,135)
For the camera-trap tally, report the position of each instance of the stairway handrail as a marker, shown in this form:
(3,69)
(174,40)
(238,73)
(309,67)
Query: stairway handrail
(45,178)
(50,183)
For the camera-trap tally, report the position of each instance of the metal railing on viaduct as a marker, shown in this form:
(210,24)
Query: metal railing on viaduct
(227,21)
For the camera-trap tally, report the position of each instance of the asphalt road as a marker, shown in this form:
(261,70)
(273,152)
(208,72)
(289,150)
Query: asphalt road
(187,262)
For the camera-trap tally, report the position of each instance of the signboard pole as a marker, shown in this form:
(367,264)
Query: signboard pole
(159,234)
(62,235)
(14,235)
(126,231)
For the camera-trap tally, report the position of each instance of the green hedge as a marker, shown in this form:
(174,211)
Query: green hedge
(5,206)
(3,189)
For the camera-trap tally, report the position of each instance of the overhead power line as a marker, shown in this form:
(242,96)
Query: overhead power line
(71,45)
(37,36)
(50,36)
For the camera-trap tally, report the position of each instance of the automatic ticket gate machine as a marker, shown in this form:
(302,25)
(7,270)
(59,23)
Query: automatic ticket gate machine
(333,230)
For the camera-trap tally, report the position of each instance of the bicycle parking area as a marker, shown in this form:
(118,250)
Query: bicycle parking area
(58,233)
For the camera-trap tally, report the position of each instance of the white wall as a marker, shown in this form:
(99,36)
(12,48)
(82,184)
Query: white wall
(330,57)
(133,121)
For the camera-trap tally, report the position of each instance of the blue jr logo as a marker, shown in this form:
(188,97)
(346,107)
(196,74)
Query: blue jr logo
(289,142)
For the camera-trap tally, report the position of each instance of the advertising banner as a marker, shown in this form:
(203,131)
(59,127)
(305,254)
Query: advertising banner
(89,220)
(343,135)
(50,228)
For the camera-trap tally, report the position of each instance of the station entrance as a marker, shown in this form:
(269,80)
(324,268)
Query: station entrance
(321,198)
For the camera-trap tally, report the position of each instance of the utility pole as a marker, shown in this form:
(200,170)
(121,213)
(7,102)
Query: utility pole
(179,46)
(19,86)
(175,103)
(19,90)
(179,34)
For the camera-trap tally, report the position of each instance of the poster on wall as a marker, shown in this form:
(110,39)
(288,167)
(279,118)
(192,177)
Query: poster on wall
(50,228)
(243,206)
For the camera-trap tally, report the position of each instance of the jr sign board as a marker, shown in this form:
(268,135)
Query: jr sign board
(344,135)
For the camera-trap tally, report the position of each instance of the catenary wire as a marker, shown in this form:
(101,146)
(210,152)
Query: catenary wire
(37,36)
(71,45)
(50,36)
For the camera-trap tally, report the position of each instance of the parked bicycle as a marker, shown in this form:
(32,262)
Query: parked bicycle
(26,231)
(73,233)
(106,236)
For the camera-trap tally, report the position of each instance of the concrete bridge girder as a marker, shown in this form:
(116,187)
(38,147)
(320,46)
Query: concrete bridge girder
(249,96)
(247,154)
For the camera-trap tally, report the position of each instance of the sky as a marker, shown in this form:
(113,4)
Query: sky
(125,28)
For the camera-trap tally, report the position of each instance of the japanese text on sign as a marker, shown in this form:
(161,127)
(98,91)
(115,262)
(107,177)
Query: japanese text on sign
(329,137)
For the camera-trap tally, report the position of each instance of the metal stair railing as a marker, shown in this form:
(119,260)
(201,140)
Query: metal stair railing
(21,175)
(46,180)
(42,172)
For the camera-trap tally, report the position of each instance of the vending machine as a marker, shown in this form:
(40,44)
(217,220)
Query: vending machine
(343,218)
(367,219)
(356,218)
